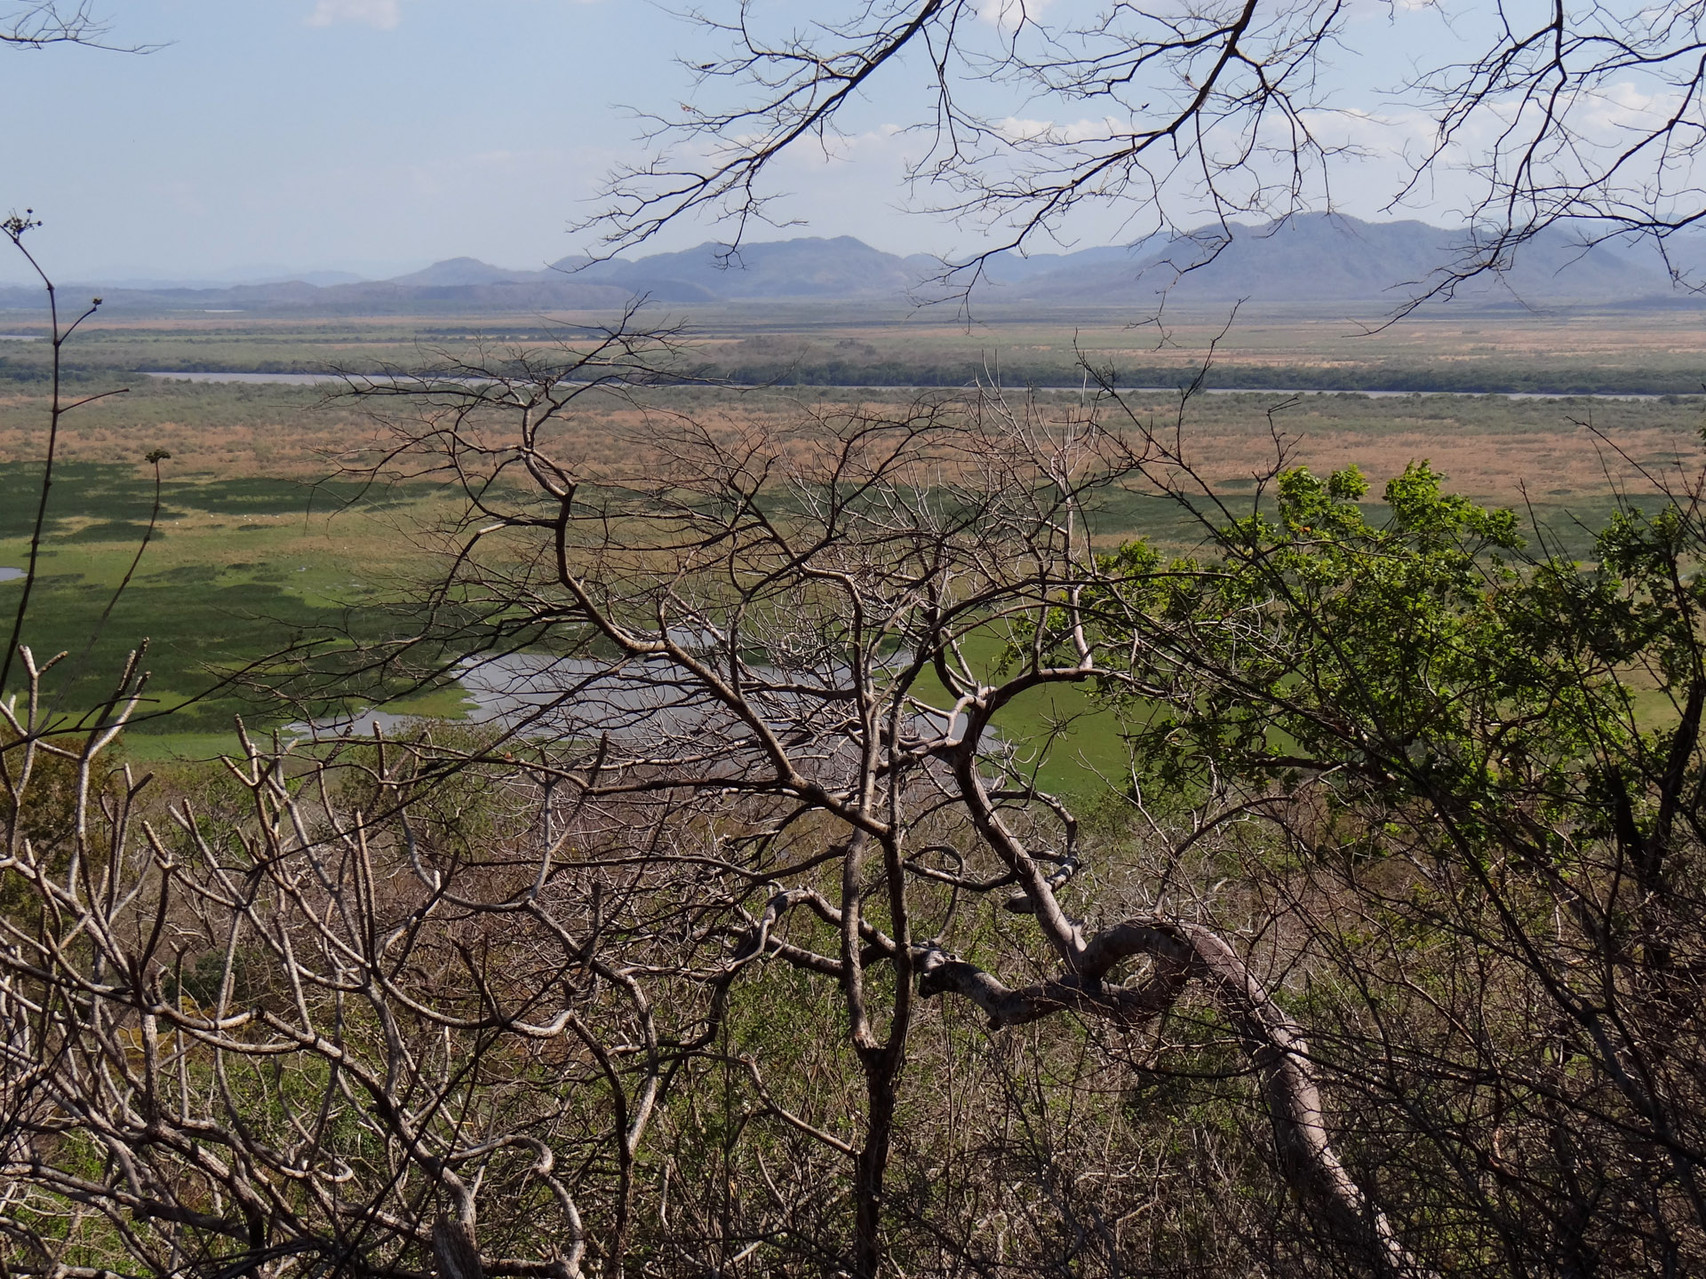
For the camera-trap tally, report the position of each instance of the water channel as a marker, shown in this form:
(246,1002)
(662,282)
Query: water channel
(330,379)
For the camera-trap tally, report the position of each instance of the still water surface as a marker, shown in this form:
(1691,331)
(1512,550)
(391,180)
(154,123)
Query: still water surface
(323,379)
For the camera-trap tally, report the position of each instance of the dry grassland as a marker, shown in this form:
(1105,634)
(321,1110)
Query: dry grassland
(1493,448)
(1553,450)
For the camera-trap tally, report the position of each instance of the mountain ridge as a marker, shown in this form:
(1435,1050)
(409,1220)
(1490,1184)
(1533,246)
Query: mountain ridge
(1309,260)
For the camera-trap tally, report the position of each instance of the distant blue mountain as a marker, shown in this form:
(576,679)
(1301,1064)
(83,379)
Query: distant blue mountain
(809,267)
(460,272)
(1308,260)
(1320,260)
(1313,261)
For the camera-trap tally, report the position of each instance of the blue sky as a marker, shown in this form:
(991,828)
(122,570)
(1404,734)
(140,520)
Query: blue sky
(325,133)
(379,135)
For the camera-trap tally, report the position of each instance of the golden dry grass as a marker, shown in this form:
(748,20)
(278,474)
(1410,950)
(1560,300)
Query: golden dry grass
(1493,448)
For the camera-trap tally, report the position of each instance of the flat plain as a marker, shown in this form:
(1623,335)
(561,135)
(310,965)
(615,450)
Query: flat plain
(265,539)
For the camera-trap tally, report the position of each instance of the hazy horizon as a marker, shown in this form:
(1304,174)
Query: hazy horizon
(271,139)
(142,276)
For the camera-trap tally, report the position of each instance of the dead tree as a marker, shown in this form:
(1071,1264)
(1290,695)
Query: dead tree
(779,664)
(295,1024)
(1180,119)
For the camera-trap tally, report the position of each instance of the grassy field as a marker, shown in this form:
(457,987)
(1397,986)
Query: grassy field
(1653,351)
(264,541)
(236,569)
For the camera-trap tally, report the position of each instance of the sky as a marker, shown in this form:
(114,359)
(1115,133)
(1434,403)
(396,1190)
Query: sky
(272,137)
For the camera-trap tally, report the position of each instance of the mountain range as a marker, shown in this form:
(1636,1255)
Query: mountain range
(1313,261)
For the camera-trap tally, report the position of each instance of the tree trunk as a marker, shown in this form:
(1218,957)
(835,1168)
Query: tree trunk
(872,1164)
(454,1250)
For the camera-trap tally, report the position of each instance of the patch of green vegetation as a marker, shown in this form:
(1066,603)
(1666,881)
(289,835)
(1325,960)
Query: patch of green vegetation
(822,347)
(1062,733)
(107,493)
(264,496)
(153,748)
(449,702)
(213,628)
(111,531)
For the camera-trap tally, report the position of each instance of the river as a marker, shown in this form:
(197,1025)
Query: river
(331,379)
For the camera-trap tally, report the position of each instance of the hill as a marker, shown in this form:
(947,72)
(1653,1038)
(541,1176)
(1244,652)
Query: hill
(1324,260)
(1315,262)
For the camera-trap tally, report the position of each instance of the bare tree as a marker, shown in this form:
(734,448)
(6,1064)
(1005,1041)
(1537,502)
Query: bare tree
(1411,824)
(284,1029)
(47,22)
(16,227)
(1591,115)
(1202,106)
(1184,116)
(779,665)
(257,1026)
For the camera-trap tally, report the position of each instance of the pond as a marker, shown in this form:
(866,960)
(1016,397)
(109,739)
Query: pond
(540,696)
(544,696)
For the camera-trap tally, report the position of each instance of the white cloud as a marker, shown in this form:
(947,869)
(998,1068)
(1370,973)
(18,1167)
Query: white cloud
(381,14)
(1008,14)
(1016,129)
